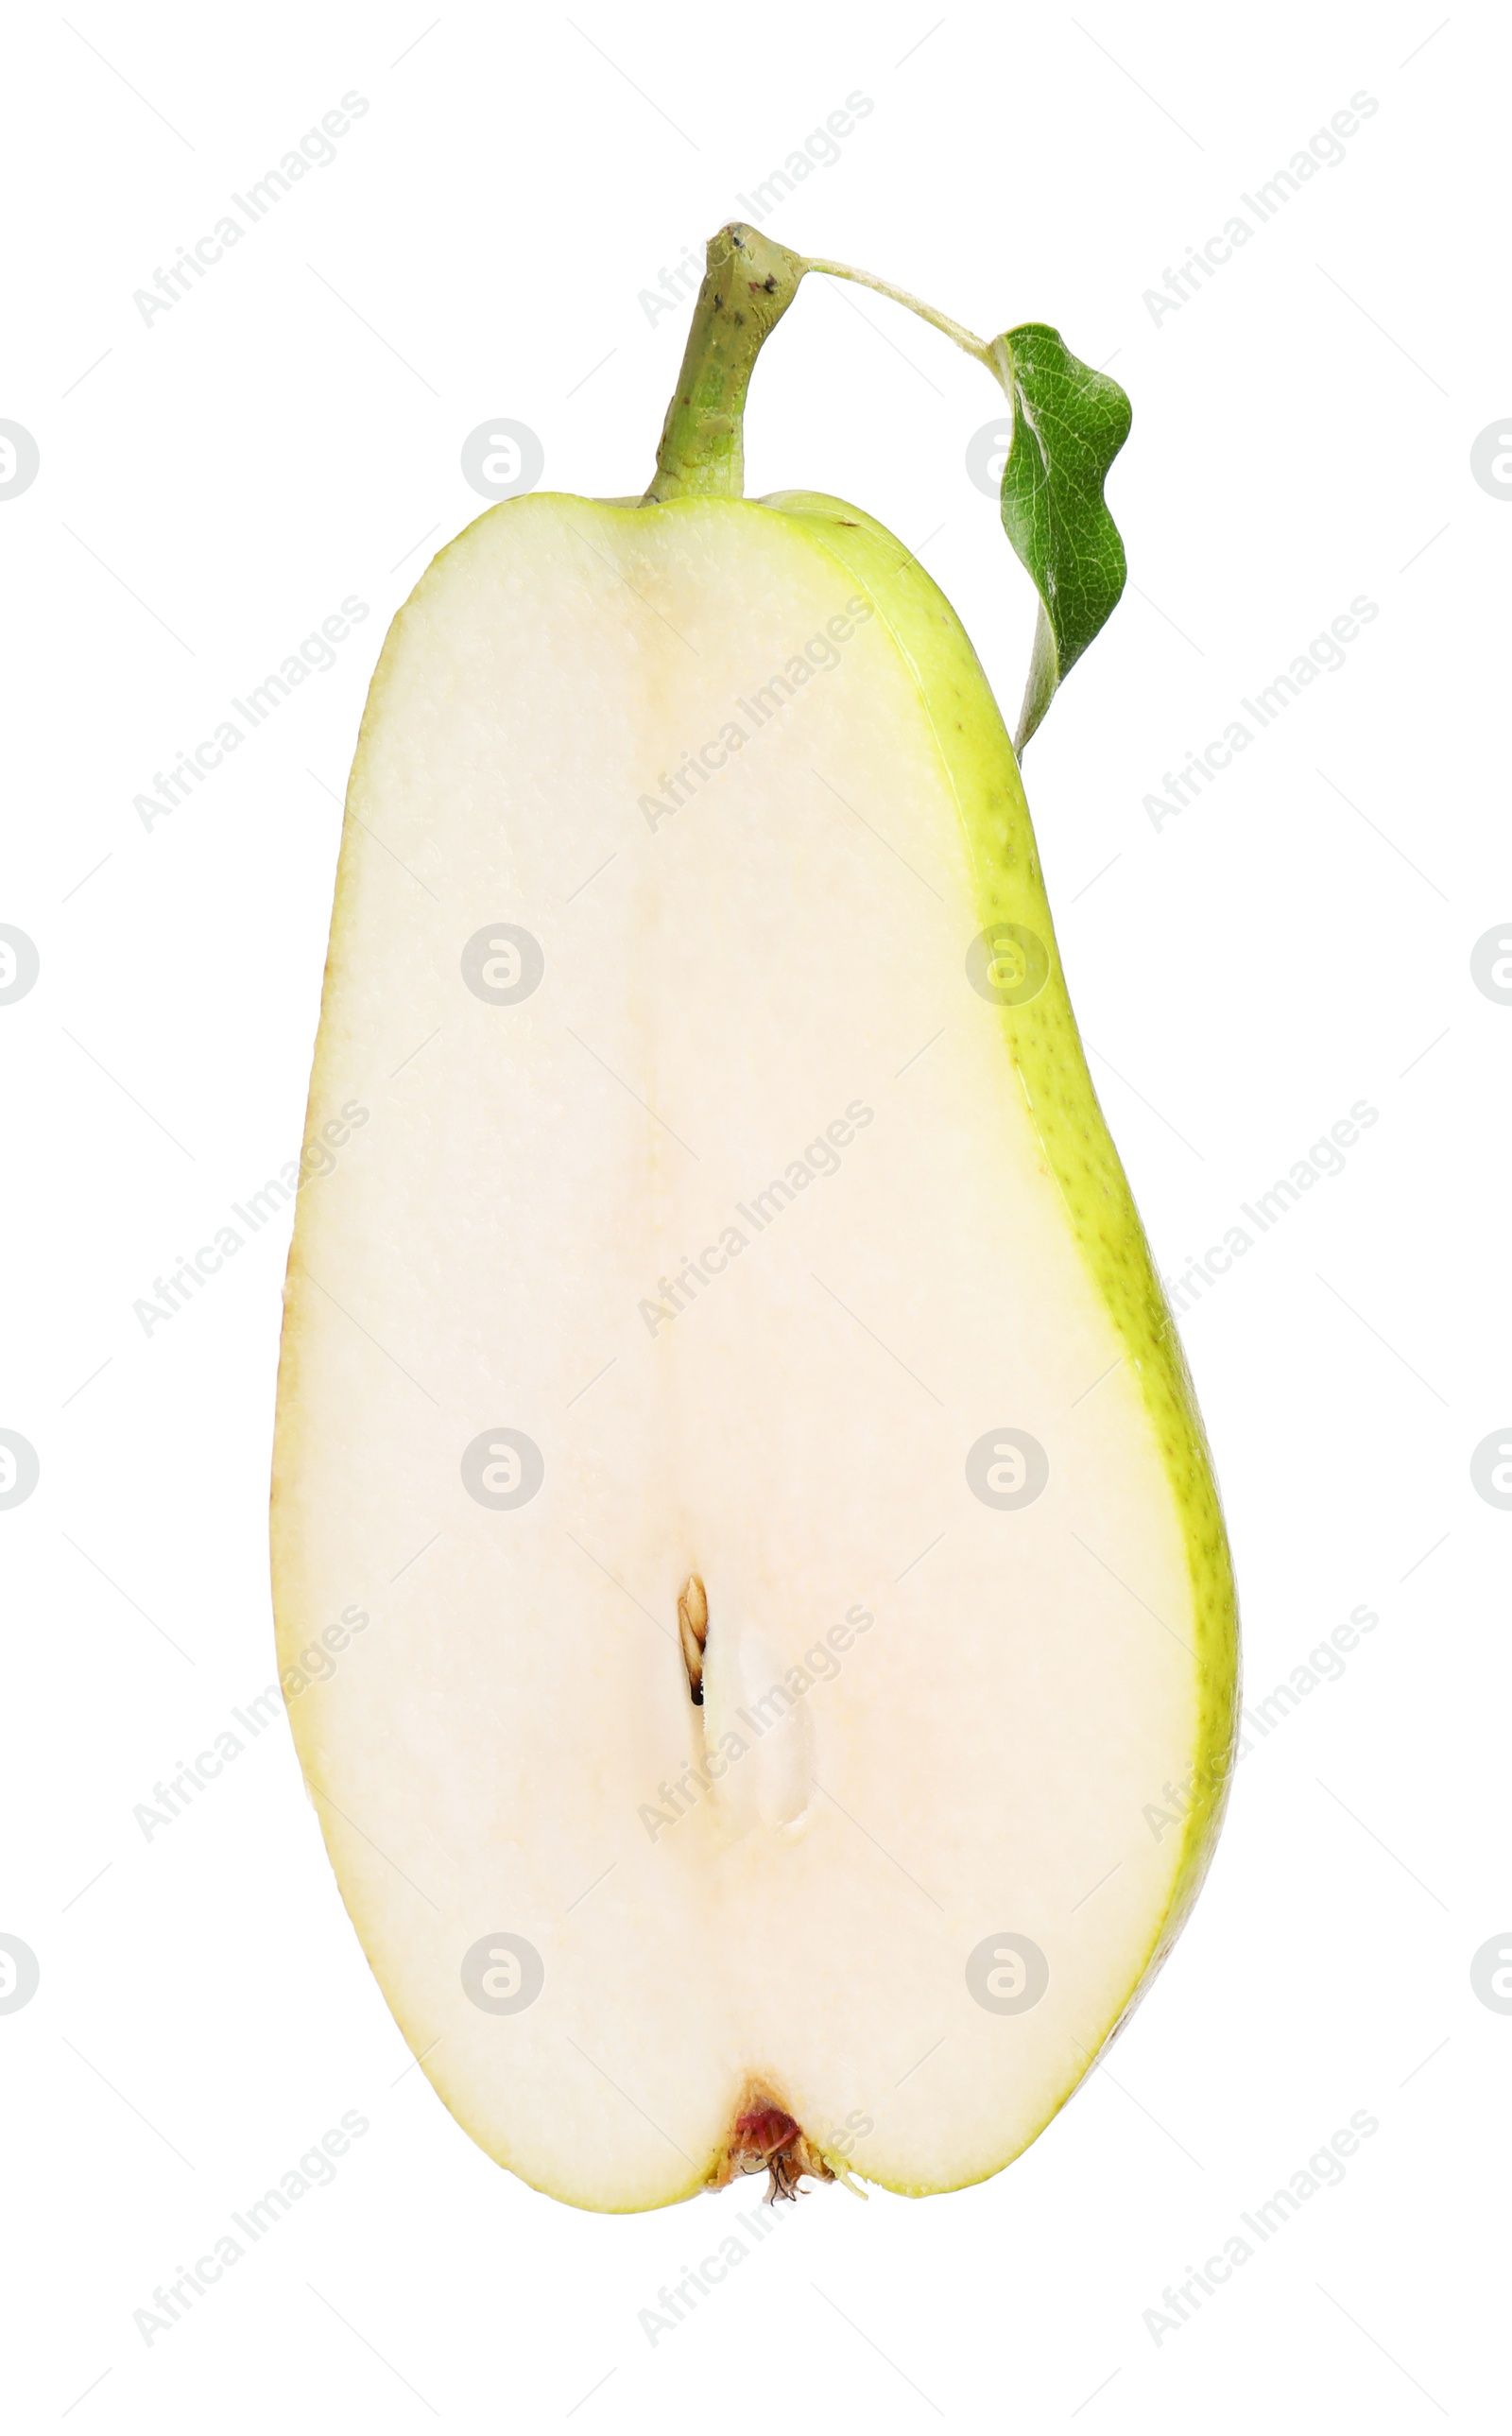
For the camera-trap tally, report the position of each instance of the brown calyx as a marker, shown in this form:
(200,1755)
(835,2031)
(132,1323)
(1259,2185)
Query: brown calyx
(766,2139)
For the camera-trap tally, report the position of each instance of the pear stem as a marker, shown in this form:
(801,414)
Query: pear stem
(747,287)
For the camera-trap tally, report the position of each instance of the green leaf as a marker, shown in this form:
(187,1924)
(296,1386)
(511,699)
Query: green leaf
(1068,424)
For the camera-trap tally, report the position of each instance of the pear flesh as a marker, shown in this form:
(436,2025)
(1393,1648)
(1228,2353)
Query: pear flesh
(726,1374)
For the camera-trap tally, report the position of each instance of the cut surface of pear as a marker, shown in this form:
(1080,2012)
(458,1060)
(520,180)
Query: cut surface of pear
(727,1374)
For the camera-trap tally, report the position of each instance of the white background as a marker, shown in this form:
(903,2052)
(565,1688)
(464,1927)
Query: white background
(211,487)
